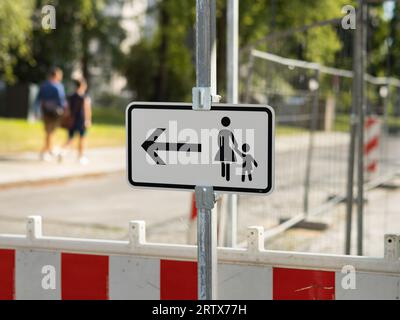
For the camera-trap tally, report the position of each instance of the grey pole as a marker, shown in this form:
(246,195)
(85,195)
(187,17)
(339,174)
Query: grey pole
(357,101)
(250,71)
(310,153)
(233,51)
(203,95)
(213,35)
(203,43)
(360,99)
(386,101)
(233,97)
(207,243)
(350,173)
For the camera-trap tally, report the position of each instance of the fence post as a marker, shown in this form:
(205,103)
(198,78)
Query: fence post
(392,247)
(310,152)
(137,233)
(359,78)
(350,174)
(34,227)
(250,70)
(255,239)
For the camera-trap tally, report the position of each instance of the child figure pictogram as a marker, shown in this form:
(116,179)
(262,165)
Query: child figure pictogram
(248,162)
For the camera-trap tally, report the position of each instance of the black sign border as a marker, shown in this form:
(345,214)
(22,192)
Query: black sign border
(215,107)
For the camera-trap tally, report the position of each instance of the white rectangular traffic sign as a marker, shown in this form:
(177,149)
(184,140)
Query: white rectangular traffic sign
(230,147)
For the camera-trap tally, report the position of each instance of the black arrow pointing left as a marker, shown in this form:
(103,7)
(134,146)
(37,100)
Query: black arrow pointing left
(151,146)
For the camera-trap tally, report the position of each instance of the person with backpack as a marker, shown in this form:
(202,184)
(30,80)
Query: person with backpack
(52,103)
(79,118)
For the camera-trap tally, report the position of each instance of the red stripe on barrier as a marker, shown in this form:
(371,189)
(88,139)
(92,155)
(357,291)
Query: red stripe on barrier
(295,284)
(372,167)
(193,213)
(84,277)
(370,121)
(7,274)
(178,280)
(371,145)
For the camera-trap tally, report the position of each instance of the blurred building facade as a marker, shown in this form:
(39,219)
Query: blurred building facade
(137,23)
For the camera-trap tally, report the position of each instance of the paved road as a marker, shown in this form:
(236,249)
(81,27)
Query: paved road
(93,207)
(102,207)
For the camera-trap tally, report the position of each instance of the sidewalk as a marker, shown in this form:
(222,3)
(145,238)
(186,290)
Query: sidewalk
(26,168)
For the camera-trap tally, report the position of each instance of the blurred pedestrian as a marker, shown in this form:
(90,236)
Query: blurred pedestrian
(79,118)
(52,104)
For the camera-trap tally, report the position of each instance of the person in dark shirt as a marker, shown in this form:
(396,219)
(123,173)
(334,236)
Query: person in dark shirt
(80,114)
(51,104)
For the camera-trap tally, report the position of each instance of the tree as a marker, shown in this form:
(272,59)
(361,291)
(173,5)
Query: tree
(80,23)
(394,42)
(15,35)
(170,73)
(162,67)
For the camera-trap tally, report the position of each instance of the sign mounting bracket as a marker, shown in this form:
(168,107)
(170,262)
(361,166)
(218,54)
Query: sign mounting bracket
(203,99)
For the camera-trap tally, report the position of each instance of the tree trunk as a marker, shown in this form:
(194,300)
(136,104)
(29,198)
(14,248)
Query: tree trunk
(85,55)
(162,77)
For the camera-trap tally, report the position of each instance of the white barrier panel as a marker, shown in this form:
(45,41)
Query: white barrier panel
(38,267)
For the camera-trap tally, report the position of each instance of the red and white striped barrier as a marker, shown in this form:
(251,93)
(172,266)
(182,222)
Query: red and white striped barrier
(192,229)
(371,147)
(37,267)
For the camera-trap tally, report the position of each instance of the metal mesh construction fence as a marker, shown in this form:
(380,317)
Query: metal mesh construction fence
(313,107)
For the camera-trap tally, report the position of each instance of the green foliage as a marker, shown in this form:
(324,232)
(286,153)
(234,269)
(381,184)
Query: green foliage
(15,35)
(317,44)
(394,42)
(141,70)
(109,116)
(378,49)
(78,23)
(161,68)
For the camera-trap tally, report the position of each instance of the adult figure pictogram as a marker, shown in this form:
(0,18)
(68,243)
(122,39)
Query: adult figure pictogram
(226,149)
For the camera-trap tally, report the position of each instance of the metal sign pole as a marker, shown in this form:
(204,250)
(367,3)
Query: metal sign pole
(233,97)
(203,96)
(207,243)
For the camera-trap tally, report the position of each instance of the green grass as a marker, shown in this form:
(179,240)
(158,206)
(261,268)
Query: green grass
(111,116)
(342,123)
(21,136)
(288,131)
(394,122)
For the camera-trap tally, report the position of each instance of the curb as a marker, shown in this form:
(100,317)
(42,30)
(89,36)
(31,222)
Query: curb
(56,180)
